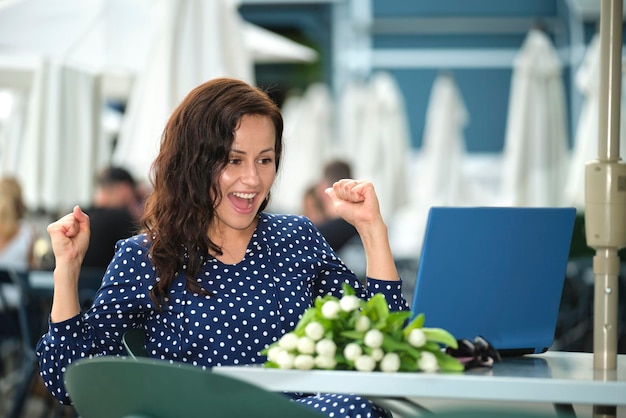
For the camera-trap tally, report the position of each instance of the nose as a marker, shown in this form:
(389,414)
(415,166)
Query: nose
(250,175)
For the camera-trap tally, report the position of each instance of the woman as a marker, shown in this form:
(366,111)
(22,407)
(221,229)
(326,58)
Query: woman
(213,279)
(17,242)
(17,237)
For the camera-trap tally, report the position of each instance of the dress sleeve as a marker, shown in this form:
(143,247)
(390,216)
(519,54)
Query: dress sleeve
(119,305)
(392,291)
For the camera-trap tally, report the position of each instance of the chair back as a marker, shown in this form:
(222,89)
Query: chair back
(134,343)
(14,299)
(122,387)
(19,324)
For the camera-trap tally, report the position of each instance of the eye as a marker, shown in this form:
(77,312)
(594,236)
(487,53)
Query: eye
(234,161)
(265,160)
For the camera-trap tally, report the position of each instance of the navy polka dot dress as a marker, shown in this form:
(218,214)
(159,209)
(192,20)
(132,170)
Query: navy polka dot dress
(252,303)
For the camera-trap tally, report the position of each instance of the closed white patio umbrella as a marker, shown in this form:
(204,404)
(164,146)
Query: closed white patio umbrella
(308,143)
(438,173)
(535,151)
(374,137)
(443,146)
(59,145)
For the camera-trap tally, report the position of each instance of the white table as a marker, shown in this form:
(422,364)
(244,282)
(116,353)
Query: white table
(552,377)
(560,378)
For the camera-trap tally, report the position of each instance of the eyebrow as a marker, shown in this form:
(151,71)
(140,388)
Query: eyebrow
(236,151)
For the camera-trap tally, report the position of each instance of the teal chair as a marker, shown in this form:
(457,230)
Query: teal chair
(134,343)
(19,324)
(123,387)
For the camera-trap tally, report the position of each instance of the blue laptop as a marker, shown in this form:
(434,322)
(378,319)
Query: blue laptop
(497,272)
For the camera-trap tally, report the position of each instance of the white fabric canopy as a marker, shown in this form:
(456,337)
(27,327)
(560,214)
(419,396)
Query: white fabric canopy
(375,137)
(60,144)
(176,65)
(114,36)
(13,103)
(162,48)
(269,47)
(107,35)
(438,175)
(535,151)
(443,147)
(308,143)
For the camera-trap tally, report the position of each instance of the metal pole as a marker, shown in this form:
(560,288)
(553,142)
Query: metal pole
(605,191)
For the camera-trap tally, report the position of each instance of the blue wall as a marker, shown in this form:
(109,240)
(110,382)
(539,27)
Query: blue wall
(485,89)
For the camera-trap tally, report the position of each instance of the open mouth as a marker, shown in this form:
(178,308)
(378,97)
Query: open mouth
(242,201)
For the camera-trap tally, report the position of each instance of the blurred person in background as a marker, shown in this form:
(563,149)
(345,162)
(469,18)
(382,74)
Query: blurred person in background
(17,236)
(312,206)
(337,231)
(17,240)
(114,215)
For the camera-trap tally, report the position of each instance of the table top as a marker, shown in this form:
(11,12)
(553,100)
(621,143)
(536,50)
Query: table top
(553,377)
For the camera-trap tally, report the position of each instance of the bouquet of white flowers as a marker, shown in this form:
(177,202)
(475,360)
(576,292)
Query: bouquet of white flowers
(353,334)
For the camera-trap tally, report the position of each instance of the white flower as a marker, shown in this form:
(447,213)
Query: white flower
(352,351)
(284,359)
(330,309)
(314,330)
(428,362)
(373,338)
(364,363)
(417,338)
(325,362)
(390,362)
(304,362)
(272,353)
(288,341)
(362,323)
(349,303)
(377,354)
(306,345)
(326,347)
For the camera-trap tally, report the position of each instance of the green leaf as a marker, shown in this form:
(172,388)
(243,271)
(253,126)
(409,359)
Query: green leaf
(353,335)
(391,345)
(347,289)
(440,335)
(318,304)
(270,365)
(417,322)
(377,309)
(395,323)
(431,346)
(408,364)
(448,363)
(309,316)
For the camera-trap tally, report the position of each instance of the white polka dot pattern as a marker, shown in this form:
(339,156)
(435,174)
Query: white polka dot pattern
(286,266)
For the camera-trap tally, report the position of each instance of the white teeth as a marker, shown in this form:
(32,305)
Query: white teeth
(249,196)
(245,195)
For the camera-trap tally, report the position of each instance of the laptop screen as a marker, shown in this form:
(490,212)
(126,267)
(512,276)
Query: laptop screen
(497,272)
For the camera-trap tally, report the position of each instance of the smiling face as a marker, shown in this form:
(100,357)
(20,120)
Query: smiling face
(248,176)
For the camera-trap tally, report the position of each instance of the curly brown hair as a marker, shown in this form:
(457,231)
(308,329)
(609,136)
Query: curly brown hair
(194,151)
